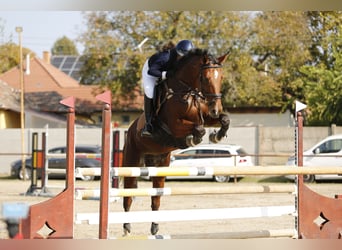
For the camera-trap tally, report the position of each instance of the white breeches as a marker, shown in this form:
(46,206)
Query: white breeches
(148,81)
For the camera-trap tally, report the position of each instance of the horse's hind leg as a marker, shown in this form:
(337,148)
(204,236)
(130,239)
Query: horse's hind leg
(158,182)
(129,182)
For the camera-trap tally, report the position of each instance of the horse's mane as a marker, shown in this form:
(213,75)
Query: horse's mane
(192,53)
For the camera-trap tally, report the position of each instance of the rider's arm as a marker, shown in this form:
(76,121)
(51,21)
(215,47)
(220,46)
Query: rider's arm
(157,66)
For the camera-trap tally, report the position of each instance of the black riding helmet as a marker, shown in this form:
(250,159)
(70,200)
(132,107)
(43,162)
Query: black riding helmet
(183,47)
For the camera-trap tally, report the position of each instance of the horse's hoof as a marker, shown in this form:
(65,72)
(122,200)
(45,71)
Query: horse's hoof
(213,138)
(126,229)
(197,140)
(154,228)
(189,140)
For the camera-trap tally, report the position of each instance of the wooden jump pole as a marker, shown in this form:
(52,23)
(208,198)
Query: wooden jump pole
(244,189)
(212,170)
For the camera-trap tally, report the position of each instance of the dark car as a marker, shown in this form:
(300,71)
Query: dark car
(86,156)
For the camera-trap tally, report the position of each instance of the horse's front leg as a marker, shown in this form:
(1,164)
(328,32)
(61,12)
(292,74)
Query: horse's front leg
(129,182)
(196,137)
(215,137)
(158,182)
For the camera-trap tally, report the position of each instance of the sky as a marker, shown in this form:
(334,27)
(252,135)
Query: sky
(41,29)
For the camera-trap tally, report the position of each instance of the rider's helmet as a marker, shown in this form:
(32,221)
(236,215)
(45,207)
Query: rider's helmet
(183,47)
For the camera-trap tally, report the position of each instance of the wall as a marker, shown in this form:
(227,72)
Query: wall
(259,140)
(268,119)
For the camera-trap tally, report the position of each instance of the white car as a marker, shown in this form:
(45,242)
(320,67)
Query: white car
(326,153)
(204,155)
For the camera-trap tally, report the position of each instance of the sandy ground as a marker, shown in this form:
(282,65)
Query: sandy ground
(14,190)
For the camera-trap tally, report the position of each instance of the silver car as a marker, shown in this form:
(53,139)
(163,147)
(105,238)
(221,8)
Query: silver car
(326,153)
(204,155)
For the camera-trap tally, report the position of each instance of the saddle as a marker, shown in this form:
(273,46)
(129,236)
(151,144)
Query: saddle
(161,94)
(161,132)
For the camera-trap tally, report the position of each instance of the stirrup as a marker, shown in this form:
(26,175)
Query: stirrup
(147,131)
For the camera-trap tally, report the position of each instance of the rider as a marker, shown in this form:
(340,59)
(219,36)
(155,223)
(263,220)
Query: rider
(156,68)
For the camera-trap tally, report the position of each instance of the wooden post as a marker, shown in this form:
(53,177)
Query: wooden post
(105,159)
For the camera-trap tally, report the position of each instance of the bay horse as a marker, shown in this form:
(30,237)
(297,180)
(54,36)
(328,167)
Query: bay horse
(190,100)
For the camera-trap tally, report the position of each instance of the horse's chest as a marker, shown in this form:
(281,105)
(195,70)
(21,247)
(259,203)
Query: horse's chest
(193,108)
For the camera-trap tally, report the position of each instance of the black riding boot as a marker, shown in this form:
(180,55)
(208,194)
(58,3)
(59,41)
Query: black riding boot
(148,109)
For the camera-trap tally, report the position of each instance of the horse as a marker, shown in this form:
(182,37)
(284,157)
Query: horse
(189,99)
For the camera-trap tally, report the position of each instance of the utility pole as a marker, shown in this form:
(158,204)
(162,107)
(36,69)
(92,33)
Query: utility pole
(19,30)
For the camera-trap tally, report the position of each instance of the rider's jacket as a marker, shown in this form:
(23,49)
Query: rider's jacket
(161,61)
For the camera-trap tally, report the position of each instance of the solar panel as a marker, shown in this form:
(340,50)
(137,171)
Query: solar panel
(70,65)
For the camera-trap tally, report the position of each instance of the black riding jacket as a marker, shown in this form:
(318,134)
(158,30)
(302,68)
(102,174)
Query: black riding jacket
(161,61)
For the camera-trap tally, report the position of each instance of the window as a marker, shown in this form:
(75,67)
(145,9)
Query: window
(125,119)
(332,146)
(223,153)
(57,151)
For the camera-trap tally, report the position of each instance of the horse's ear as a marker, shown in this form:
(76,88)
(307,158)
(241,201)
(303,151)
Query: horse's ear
(223,58)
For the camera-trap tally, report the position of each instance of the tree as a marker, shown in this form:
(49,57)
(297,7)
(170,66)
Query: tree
(9,52)
(9,56)
(280,43)
(322,75)
(269,64)
(64,46)
(112,55)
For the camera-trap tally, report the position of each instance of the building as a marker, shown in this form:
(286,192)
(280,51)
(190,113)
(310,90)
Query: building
(45,86)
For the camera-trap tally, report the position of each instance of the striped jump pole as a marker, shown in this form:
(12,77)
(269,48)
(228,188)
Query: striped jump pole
(211,170)
(274,233)
(188,214)
(116,192)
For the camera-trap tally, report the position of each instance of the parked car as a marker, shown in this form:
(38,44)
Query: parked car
(59,162)
(326,153)
(204,155)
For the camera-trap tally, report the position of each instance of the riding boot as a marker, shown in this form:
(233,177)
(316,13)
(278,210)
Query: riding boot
(148,109)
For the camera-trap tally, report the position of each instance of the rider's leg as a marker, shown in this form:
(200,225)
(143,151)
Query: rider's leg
(148,110)
(149,83)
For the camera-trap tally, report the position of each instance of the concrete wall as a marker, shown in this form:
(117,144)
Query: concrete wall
(261,142)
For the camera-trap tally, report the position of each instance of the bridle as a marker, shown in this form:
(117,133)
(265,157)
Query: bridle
(199,92)
(196,93)
(209,66)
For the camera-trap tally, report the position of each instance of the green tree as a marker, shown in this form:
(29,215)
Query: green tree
(113,58)
(64,46)
(280,44)
(9,51)
(322,75)
(265,67)
(9,56)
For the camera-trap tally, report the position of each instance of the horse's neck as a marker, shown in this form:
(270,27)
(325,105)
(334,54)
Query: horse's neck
(184,83)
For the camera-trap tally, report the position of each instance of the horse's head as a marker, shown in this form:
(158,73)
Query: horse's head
(211,80)
(203,73)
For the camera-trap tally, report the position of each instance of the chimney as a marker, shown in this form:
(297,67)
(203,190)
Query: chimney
(46,57)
